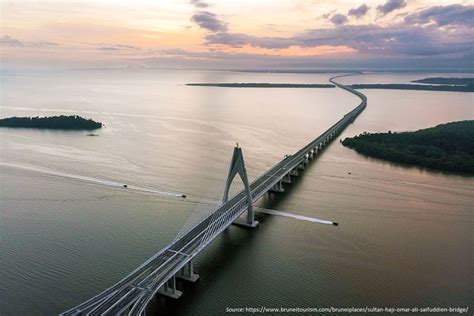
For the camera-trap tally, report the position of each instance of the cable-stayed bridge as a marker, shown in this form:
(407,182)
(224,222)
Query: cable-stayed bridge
(131,295)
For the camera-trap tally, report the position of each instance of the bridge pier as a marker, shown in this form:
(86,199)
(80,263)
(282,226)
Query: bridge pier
(187,273)
(278,187)
(294,172)
(286,178)
(169,289)
(245,222)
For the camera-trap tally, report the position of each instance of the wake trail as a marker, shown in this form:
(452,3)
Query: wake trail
(105,182)
(295,216)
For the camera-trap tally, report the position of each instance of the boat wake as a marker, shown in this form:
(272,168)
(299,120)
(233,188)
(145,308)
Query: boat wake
(105,182)
(299,217)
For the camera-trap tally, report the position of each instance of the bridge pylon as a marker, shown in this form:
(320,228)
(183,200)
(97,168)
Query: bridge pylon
(237,167)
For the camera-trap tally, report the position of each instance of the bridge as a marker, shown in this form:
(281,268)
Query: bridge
(131,295)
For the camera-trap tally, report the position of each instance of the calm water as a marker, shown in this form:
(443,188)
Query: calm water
(68,230)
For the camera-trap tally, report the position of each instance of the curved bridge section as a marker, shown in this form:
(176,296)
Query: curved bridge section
(131,295)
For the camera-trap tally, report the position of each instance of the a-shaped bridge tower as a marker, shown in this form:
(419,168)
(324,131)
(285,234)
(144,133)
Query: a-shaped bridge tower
(237,167)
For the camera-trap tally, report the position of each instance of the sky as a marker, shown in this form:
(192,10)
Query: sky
(239,34)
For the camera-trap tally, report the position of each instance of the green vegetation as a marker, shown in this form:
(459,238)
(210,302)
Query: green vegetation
(72,122)
(262,85)
(440,80)
(397,86)
(448,147)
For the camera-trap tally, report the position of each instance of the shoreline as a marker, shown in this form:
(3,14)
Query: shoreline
(389,86)
(261,85)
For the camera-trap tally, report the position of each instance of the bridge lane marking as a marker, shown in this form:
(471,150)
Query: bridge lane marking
(179,252)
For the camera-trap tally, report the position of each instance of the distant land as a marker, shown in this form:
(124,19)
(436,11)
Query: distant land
(447,147)
(262,85)
(389,86)
(440,80)
(72,122)
(402,86)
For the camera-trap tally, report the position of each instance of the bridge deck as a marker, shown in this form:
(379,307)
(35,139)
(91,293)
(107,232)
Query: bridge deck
(132,294)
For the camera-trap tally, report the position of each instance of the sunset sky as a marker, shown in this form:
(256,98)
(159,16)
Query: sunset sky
(244,34)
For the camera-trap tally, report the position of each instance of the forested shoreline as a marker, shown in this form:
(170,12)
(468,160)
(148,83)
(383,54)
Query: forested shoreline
(71,122)
(447,147)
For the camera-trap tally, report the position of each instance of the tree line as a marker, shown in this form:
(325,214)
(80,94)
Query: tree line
(448,147)
(72,122)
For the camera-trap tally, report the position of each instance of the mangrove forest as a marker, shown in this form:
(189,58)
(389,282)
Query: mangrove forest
(447,147)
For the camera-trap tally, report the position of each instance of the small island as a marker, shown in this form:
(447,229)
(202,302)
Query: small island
(262,85)
(441,80)
(72,122)
(447,147)
(422,87)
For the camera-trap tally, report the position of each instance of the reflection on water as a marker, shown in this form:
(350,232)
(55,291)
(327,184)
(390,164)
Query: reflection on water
(405,234)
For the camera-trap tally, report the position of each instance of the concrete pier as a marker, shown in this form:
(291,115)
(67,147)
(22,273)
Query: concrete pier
(187,273)
(278,187)
(169,289)
(287,178)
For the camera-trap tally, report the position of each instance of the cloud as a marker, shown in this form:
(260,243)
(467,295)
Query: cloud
(455,14)
(41,44)
(359,11)
(209,21)
(327,16)
(369,40)
(248,61)
(238,39)
(338,19)
(391,5)
(199,4)
(10,41)
(179,52)
(433,36)
(117,47)
(394,40)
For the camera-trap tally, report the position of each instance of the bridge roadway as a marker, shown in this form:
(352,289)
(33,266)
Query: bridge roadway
(131,295)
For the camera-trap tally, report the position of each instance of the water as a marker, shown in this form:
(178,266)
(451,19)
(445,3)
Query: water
(68,229)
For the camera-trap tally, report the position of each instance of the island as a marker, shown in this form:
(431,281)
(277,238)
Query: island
(389,86)
(262,85)
(447,147)
(72,122)
(403,86)
(453,81)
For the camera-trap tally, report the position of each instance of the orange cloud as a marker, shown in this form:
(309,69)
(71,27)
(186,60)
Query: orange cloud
(294,50)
